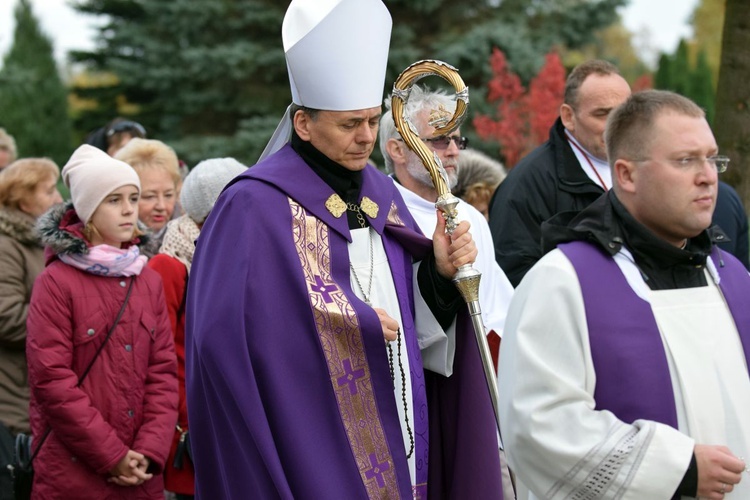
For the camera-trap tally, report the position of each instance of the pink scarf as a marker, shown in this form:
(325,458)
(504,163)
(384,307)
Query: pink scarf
(106,260)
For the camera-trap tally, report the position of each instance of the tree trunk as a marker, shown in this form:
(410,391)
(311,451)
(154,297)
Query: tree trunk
(732,121)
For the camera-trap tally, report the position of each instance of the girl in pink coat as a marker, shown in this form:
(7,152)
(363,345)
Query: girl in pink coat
(110,436)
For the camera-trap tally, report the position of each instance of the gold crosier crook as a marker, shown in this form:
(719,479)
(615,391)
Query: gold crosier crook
(467,278)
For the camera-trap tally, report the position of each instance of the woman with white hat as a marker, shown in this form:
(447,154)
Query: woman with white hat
(197,197)
(102,367)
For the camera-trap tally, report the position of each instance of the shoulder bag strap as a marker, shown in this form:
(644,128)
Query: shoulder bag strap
(91,363)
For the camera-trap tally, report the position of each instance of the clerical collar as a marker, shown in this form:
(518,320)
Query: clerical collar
(344,182)
(664,266)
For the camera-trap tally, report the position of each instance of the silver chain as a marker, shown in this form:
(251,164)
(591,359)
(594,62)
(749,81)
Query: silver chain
(398,334)
(356,278)
(358,211)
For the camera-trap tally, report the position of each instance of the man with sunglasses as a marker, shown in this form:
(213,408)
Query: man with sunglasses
(624,369)
(415,185)
(568,172)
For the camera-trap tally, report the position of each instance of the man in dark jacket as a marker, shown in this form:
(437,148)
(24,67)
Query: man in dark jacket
(730,216)
(568,172)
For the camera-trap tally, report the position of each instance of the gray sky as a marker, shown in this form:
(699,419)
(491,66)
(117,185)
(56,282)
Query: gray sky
(657,24)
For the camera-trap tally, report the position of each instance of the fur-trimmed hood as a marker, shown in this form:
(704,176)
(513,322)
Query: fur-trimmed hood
(61,231)
(19,226)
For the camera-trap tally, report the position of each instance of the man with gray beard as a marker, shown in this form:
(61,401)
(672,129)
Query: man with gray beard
(415,185)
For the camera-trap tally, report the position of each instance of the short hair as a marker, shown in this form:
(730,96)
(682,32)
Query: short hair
(311,112)
(478,169)
(151,154)
(629,128)
(580,73)
(8,143)
(19,180)
(419,99)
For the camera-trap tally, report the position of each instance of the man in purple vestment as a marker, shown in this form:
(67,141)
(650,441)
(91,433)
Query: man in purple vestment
(623,372)
(325,343)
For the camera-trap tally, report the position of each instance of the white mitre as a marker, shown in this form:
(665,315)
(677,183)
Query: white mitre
(336,55)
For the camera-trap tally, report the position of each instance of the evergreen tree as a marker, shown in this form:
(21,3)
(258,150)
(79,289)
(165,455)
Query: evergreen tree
(202,74)
(663,76)
(676,74)
(707,21)
(702,86)
(33,98)
(209,76)
(681,73)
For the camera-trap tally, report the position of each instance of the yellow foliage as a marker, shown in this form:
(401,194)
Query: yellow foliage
(708,25)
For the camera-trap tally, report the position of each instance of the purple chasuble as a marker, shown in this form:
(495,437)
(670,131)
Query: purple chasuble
(632,373)
(289,389)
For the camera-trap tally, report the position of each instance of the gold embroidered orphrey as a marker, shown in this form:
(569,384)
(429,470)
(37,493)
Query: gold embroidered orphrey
(337,206)
(342,344)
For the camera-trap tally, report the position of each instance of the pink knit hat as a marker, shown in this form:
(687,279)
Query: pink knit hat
(91,174)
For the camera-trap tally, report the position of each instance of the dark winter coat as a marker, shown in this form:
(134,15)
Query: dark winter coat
(607,224)
(129,398)
(549,180)
(730,216)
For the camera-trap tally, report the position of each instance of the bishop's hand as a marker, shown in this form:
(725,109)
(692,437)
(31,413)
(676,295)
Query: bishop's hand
(389,325)
(452,251)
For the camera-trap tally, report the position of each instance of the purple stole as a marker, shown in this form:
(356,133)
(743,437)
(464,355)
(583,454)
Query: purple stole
(632,374)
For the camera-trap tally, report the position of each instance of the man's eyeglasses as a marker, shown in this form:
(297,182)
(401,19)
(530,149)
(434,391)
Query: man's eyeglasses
(695,163)
(444,141)
(135,128)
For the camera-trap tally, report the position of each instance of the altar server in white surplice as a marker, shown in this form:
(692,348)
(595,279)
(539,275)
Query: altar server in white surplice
(623,372)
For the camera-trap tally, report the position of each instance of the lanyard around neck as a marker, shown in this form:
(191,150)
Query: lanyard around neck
(591,164)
